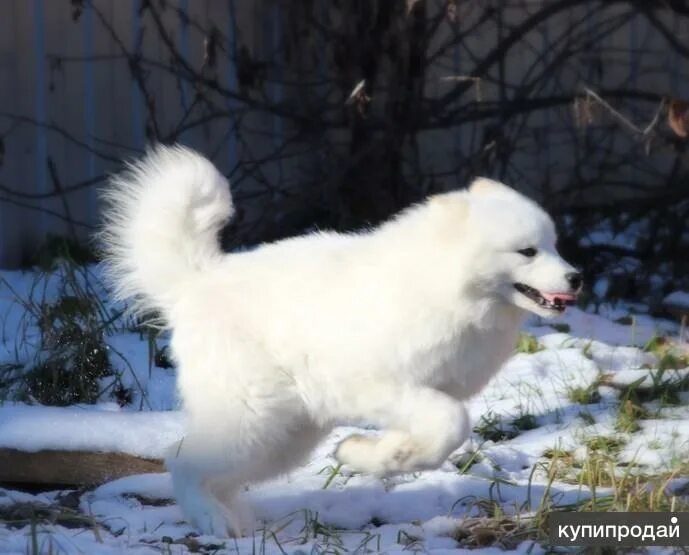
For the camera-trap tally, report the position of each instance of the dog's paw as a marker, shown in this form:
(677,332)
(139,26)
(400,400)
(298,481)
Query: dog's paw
(212,518)
(243,519)
(356,452)
(380,456)
(213,524)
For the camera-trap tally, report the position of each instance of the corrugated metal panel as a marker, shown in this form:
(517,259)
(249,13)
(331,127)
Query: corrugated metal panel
(69,97)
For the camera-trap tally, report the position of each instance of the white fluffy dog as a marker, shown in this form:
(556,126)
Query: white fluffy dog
(394,327)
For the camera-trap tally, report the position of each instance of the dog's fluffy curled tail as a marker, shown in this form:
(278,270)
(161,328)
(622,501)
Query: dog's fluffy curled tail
(162,219)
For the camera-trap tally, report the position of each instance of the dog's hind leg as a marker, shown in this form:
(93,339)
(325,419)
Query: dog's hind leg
(192,463)
(423,427)
(209,468)
(275,458)
(243,416)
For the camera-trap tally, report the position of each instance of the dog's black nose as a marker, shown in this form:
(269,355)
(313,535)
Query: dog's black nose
(575,280)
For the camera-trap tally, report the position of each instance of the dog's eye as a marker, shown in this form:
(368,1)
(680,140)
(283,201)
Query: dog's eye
(530,252)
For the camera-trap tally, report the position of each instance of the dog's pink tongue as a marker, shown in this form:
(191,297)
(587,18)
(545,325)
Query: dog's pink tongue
(564,297)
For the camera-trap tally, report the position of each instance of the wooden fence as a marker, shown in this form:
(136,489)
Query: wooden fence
(70,107)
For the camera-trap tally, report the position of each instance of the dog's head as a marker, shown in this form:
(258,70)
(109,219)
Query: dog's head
(511,250)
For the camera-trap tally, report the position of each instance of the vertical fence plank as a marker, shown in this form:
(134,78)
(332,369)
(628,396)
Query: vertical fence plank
(137,100)
(98,103)
(89,100)
(457,71)
(40,102)
(544,135)
(232,84)
(185,92)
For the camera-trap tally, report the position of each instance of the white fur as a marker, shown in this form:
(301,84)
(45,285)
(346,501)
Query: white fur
(394,327)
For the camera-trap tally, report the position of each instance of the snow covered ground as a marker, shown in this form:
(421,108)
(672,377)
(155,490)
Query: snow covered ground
(559,404)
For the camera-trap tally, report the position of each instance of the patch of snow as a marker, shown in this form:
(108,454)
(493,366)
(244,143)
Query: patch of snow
(421,511)
(677,298)
(32,428)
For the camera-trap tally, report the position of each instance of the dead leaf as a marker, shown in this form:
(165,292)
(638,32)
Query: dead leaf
(358,98)
(583,112)
(357,91)
(77,9)
(678,117)
(411,4)
(451,11)
(210,48)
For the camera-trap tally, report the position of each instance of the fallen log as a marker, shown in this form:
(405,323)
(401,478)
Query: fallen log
(70,468)
(77,446)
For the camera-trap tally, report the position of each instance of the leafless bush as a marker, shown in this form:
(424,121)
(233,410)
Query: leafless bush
(349,111)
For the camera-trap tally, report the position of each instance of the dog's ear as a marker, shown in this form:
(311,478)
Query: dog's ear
(455,202)
(483,185)
(450,211)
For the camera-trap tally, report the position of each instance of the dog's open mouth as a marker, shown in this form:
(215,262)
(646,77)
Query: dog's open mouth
(552,301)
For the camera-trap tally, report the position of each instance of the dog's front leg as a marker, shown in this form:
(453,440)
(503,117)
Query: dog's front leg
(423,427)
